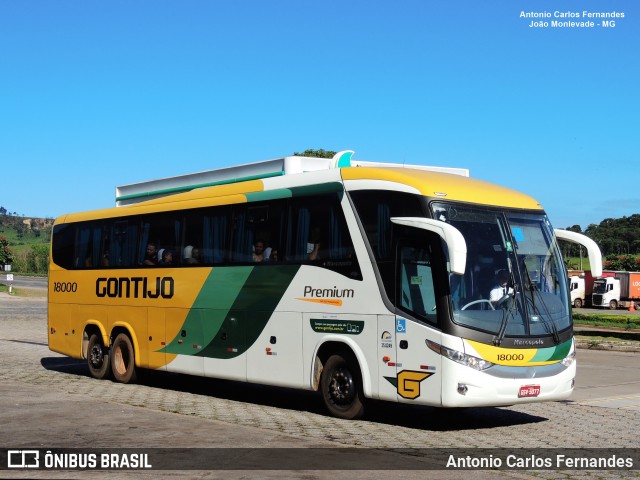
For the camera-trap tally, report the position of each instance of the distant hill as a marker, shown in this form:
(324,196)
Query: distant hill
(24,231)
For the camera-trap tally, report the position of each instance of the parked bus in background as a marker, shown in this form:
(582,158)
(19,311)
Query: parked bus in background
(355,279)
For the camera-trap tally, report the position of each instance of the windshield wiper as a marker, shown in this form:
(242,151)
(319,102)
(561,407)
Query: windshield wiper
(549,324)
(507,312)
(503,328)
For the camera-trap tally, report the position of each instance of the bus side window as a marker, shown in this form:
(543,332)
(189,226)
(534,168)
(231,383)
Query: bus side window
(62,246)
(122,239)
(256,222)
(241,235)
(318,233)
(161,230)
(375,208)
(90,243)
(211,230)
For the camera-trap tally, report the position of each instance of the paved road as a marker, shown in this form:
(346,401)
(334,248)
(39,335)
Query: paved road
(21,281)
(47,401)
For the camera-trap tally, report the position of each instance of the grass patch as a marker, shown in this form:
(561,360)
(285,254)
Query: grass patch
(573,263)
(611,321)
(20,243)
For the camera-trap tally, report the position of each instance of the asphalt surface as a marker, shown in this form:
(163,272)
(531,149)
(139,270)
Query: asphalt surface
(22,281)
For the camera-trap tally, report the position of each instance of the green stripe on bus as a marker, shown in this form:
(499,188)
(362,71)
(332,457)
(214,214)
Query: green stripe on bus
(552,353)
(252,310)
(210,309)
(187,188)
(304,191)
(268,195)
(310,190)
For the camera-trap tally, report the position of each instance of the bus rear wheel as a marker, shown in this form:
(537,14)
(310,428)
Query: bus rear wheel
(123,365)
(98,358)
(341,388)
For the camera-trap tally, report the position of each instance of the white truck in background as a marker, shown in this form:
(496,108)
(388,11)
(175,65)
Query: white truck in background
(581,287)
(576,287)
(621,289)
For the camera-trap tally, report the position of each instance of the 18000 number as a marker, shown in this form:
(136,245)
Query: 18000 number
(507,357)
(65,287)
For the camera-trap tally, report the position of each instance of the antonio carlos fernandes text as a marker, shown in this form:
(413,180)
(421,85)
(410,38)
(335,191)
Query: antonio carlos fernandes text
(535,461)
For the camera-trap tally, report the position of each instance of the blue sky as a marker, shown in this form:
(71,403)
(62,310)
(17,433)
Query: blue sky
(95,94)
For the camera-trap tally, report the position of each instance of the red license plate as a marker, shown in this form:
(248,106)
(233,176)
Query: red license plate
(529,391)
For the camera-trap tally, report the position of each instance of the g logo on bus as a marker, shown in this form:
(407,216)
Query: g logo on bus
(408,383)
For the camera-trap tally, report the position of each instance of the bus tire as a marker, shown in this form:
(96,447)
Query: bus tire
(123,365)
(98,358)
(341,388)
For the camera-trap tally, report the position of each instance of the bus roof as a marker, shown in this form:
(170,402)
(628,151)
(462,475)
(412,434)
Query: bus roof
(442,185)
(254,181)
(292,165)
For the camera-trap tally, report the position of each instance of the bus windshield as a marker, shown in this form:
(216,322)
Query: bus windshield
(514,283)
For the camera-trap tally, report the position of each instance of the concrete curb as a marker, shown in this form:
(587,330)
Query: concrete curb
(628,340)
(611,346)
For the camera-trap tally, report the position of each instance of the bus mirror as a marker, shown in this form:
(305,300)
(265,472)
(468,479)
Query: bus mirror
(450,234)
(595,256)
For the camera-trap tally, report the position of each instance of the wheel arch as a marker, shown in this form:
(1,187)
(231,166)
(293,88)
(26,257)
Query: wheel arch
(91,327)
(348,349)
(123,327)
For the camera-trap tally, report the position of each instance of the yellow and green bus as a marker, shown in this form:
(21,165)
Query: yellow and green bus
(356,279)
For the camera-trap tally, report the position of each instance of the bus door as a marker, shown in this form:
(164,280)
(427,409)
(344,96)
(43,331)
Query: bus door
(417,366)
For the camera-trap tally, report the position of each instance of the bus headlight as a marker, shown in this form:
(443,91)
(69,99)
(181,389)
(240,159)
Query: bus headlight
(459,357)
(569,359)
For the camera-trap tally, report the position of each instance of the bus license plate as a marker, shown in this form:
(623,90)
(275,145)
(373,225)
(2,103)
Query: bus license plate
(529,391)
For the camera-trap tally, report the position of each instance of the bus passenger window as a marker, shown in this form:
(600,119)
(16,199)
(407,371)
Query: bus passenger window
(318,234)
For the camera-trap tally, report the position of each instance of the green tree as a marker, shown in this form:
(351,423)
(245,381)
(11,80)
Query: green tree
(616,236)
(316,153)
(38,259)
(6,255)
(626,263)
(570,249)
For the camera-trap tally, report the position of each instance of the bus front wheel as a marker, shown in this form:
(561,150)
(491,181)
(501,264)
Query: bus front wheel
(123,365)
(98,358)
(341,388)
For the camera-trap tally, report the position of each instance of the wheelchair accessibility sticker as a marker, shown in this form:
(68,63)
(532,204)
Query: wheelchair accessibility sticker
(401,325)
